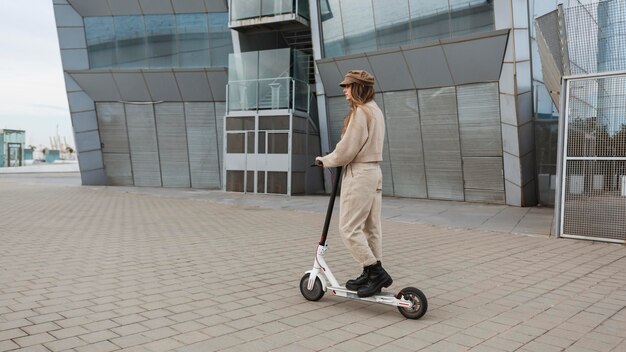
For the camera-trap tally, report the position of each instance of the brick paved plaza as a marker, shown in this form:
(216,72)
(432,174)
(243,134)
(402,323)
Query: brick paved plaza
(100,269)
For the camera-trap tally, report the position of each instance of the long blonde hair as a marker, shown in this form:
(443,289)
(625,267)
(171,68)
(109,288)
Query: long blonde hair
(361,94)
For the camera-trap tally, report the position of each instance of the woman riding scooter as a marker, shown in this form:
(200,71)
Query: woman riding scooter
(359,151)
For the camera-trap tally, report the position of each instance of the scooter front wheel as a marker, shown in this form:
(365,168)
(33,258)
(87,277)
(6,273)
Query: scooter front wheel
(314,294)
(417,297)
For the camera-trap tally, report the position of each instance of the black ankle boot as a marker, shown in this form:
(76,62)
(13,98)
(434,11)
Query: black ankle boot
(376,280)
(354,284)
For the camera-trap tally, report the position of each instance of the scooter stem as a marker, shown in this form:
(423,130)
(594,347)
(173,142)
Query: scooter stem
(331,204)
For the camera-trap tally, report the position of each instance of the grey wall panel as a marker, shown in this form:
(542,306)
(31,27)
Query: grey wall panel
(391,71)
(112,126)
(484,196)
(79,102)
(66,16)
(86,141)
(132,86)
(188,6)
(428,67)
(75,59)
(483,173)
(217,83)
(162,86)
(144,150)
(124,7)
(99,86)
(442,150)
(94,177)
(71,37)
(337,110)
(118,169)
(330,75)
(203,145)
(220,113)
(476,60)
(84,121)
(194,86)
(172,139)
(153,7)
(405,144)
(90,160)
(70,84)
(479,119)
(91,7)
(216,5)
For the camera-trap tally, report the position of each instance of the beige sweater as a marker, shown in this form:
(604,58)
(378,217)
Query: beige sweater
(363,140)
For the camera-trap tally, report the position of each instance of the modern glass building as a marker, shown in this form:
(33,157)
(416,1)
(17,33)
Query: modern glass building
(241,95)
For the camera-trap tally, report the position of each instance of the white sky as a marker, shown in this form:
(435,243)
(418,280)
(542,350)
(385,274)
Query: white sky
(32,88)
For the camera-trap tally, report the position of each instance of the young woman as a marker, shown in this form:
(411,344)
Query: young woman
(359,151)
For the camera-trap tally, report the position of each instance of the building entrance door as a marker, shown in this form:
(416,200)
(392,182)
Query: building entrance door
(14,154)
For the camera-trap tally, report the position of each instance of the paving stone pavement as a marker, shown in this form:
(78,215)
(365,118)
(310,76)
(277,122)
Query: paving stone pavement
(98,269)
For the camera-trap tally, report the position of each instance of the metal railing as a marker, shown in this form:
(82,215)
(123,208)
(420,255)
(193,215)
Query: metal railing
(249,9)
(268,94)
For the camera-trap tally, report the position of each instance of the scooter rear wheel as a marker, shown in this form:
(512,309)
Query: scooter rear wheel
(420,304)
(316,293)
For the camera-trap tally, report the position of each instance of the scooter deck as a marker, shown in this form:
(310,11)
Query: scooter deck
(382,297)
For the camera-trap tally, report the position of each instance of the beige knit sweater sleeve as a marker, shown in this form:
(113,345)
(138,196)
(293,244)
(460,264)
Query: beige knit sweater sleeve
(351,143)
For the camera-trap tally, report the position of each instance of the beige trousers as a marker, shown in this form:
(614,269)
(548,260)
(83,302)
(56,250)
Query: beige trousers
(359,212)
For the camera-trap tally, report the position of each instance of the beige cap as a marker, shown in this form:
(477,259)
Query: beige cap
(358,76)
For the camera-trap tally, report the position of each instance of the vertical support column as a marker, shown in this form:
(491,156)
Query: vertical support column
(516,106)
(82,108)
(316,39)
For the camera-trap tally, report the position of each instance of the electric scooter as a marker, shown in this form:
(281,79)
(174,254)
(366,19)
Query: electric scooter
(411,302)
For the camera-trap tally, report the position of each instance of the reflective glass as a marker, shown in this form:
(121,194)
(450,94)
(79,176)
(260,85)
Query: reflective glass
(241,9)
(358,26)
(131,41)
(303,8)
(392,22)
(193,40)
(471,16)
(100,35)
(330,13)
(276,7)
(161,41)
(220,40)
(430,20)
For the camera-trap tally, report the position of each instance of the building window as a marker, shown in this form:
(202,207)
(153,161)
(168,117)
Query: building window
(356,26)
(158,41)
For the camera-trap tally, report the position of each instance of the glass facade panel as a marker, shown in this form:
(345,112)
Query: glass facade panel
(358,26)
(330,14)
(220,40)
(473,16)
(276,7)
(100,35)
(130,39)
(277,143)
(276,182)
(242,9)
(193,40)
(430,20)
(392,23)
(236,143)
(158,41)
(354,26)
(161,41)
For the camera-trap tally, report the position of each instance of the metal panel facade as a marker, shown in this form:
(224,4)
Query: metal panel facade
(442,149)
(203,147)
(405,144)
(172,138)
(144,150)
